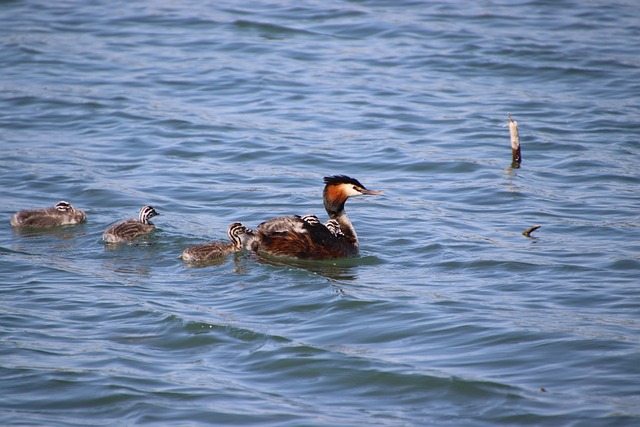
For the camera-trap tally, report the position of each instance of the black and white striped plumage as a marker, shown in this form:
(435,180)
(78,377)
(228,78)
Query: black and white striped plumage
(214,250)
(334,227)
(60,214)
(131,229)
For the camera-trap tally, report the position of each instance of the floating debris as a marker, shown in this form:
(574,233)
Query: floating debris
(528,231)
(515,142)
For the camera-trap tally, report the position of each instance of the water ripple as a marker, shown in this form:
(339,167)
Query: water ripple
(235,112)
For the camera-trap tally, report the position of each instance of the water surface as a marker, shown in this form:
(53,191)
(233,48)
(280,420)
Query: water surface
(235,112)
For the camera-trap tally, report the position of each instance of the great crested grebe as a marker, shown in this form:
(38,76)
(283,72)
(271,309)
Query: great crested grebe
(213,250)
(131,229)
(305,237)
(60,214)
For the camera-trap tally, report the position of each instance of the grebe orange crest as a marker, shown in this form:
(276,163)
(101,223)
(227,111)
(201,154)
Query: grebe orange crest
(60,214)
(305,237)
(131,229)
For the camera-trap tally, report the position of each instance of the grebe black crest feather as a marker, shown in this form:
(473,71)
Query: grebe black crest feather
(305,237)
(341,179)
(60,214)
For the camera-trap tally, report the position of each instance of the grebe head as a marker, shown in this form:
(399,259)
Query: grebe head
(339,188)
(334,227)
(310,219)
(64,206)
(234,232)
(146,213)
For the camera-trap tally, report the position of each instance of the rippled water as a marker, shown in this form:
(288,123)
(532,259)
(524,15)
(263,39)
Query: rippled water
(234,112)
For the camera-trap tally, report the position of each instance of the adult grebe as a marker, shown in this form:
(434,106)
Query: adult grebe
(213,250)
(307,238)
(131,229)
(60,214)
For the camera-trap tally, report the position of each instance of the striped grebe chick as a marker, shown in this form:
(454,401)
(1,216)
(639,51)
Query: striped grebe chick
(306,237)
(334,227)
(131,229)
(60,214)
(213,250)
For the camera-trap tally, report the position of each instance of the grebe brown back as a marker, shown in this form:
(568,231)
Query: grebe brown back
(306,237)
(213,250)
(131,229)
(60,214)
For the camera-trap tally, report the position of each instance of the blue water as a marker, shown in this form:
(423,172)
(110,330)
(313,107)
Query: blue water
(235,111)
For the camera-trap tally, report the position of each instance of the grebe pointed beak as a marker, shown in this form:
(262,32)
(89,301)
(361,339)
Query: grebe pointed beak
(366,192)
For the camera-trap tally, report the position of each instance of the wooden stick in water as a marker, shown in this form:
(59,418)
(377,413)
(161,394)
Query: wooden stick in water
(528,231)
(515,142)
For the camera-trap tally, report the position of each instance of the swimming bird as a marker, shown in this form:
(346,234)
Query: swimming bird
(305,237)
(213,250)
(60,214)
(131,229)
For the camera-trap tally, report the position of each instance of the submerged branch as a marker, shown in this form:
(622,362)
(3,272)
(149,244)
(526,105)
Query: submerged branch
(528,231)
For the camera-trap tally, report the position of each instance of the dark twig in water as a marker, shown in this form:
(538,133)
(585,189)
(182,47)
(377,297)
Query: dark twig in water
(515,142)
(528,231)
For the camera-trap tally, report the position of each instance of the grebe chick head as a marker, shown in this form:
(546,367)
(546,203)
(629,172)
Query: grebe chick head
(234,232)
(146,213)
(334,227)
(64,206)
(310,219)
(339,188)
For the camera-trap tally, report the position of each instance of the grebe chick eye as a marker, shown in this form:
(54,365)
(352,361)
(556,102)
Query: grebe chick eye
(60,214)
(131,229)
